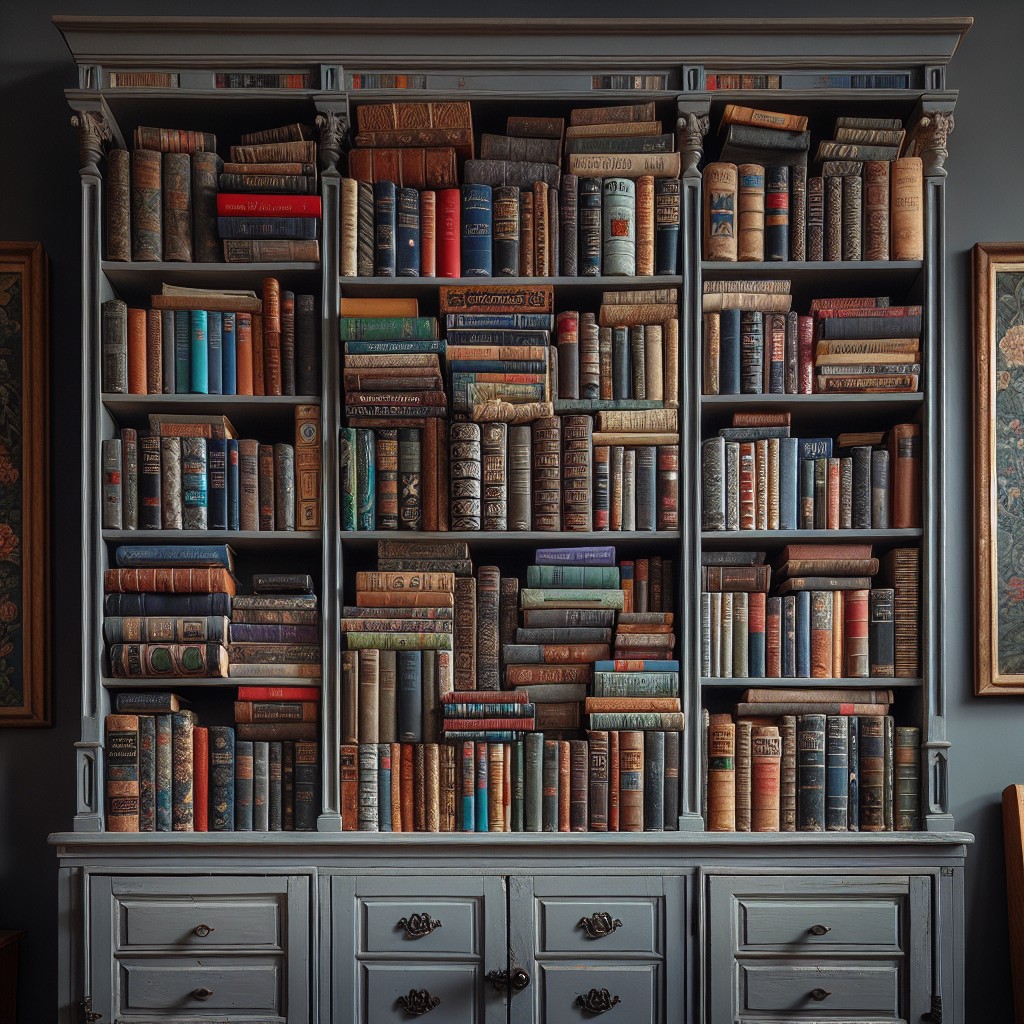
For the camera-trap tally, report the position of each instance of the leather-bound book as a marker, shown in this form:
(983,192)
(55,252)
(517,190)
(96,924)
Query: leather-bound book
(547,475)
(907,771)
(464,472)
(287,339)
(307,467)
(871,772)
(118,208)
(520,460)
(631,781)
(906,220)
(564,785)
(654,781)
(177,207)
(221,801)
(136,333)
(407,232)
(541,229)
(743,763)
(645,225)
(833,207)
(776,212)
(121,767)
(348,266)
(905,475)
(384,212)
(129,479)
(766,764)
(182,770)
(880,632)
(576,470)
(114,347)
(837,773)
(816,219)
(876,209)
(618,227)
(852,199)
(284,487)
(267,487)
(568,225)
(410,474)
(465,634)
(811,773)
(506,231)
(147,206)
(306,785)
(721,775)
(798,212)
(494,476)
(856,654)
(590,218)
(721,183)
(488,673)
(750,212)
(366,235)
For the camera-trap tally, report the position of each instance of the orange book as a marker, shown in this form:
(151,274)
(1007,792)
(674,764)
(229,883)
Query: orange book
(613,781)
(168,581)
(631,781)
(721,759)
(408,786)
(564,784)
(136,351)
(349,781)
(593,705)
(154,353)
(271,336)
(350,306)
(766,768)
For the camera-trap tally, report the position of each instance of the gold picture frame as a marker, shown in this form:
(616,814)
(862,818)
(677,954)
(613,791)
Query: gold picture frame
(998,270)
(25,698)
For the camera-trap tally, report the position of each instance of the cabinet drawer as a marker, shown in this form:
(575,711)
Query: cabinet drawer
(201,923)
(821,990)
(588,927)
(208,987)
(618,992)
(408,926)
(455,987)
(809,924)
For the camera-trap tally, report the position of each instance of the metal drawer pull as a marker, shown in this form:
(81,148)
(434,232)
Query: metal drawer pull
(819,929)
(819,994)
(202,930)
(598,925)
(202,993)
(418,1002)
(502,980)
(597,1000)
(418,926)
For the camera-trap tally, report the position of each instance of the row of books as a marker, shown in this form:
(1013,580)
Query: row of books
(587,227)
(203,341)
(555,473)
(162,197)
(760,478)
(826,619)
(754,344)
(614,781)
(195,473)
(773,771)
(166,773)
(717,80)
(760,204)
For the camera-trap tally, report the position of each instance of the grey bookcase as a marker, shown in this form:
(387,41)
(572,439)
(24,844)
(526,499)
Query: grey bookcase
(687,925)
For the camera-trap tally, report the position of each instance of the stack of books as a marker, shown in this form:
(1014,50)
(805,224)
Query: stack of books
(812,761)
(161,198)
(195,473)
(275,631)
(166,609)
(490,716)
(267,207)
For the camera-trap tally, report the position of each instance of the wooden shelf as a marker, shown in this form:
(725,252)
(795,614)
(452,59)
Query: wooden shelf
(567,287)
(517,538)
(140,280)
(190,682)
(775,538)
(752,682)
(240,540)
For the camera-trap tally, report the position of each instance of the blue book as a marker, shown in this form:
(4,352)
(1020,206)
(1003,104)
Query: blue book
(267,227)
(729,352)
(215,352)
(182,352)
(232,485)
(803,634)
(576,556)
(776,212)
(815,447)
(810,769)
(788,490)
(482,775)
(164,773)
(167,604)
(666,225)
(837,773)
(142,556)
(386,348)
(853,816)
(789,636)
(222,778)
(476,216)
(805,504)
(199,352)
(590,228)
(347,477)
(756,636)
(229,356)
(409,698)
(243,785)
(384,228)
(622,372)
(216,487)
(407,233)
(501,321)
(383,787)
(649,665)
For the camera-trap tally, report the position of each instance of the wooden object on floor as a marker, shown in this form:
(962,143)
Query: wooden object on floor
(1013,836)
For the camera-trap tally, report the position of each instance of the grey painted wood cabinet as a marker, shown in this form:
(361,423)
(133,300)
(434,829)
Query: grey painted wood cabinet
(329,926)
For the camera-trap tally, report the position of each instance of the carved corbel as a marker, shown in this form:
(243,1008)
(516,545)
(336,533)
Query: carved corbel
(93,132)
(691,128)
(332,130)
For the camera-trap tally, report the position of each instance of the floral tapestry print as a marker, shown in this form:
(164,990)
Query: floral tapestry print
(1009,469)
(11,611)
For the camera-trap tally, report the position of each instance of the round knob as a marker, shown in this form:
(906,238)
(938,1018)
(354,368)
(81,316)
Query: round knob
(202,930)
(820,929)
(202,993)
(520,979)
(819,994)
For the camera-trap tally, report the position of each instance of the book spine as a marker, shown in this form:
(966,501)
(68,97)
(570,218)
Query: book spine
(798,212)
(776,219)
(590,226)
(871,773)
(410,479)
(907,770)
(837,774)
(721,775)
(476,231)
(267,488)
(654,781)
(576,469)
(631,781)
(541,229)
(407,233)
(369,764)
(464,476)
(506,231)
(811,768)
(852,199)
(176,195)
(146,206)
(876,209)
(494,476)
(666,225)
(833,240)
(568,221)
(384,211)
(766,789)
(619,227)
(750,212)
(122,773)
(182,765)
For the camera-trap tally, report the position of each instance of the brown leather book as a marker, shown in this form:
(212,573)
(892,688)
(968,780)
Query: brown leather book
(274,731)
(541,228)
(419,787)
(119,205)
(272,379)
(349,782)
(721,775)
(176,192)
(904,470)
(721,183)
(631,781)
(612,114)
(137,382)
(391,599)
(369,696)
(743,776)
(277,711)
(408,787)
(206,580)
(154,353)
(765,787)
(374,117)
(460,139)
(564,785)
(307,467)
(266,487)
(626,704)
(465,634)
(523,675)
(497,298)
(447,796)
(876,209)
(121,766)
(906,218)
(433,168)
(750,212)
(258,366)
(147,206)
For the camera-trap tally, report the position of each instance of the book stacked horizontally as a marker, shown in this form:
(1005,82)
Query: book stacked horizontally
(161,198)
(812,761)
(869,196)
(491,716)
(619,142)
(866,345)
(210,342)
(195,473)
(268,209)
(568,607)
(166,607)
(275,633)
(757,477)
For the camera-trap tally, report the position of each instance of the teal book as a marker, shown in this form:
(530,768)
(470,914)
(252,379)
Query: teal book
(347,477)
(573,576)
(163,773)
(383,787)
(467,786)
(215,353)
(199,352)
(366,480)
(243,786)
(387,328)
(482,773)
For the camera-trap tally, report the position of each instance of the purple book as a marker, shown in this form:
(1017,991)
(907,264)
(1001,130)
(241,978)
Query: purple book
(576,556)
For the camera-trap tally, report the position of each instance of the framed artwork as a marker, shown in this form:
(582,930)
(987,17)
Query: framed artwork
(999,466)
(24,491)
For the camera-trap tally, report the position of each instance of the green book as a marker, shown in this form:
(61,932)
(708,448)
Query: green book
(347,477)
(399,641)
(572,576)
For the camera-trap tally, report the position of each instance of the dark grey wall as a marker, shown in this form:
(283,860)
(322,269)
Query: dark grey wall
(39,201)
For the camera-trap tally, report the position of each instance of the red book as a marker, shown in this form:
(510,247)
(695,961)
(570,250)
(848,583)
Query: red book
(408,786)
(449,234)
(230,204)
(564,784)
(428,233)
(805,355)
(200,779)
(279,693)
(855,634)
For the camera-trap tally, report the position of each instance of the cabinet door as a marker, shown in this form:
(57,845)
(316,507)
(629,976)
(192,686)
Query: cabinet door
(402,946)
(817,946)
(613,946)
(219,947)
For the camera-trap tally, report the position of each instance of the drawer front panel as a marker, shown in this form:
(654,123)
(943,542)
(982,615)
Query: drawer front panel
(455,987)
(200,923)
(441,927)
(816,924)
(593,927)
(202,987)
(627,993)
(822,990)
